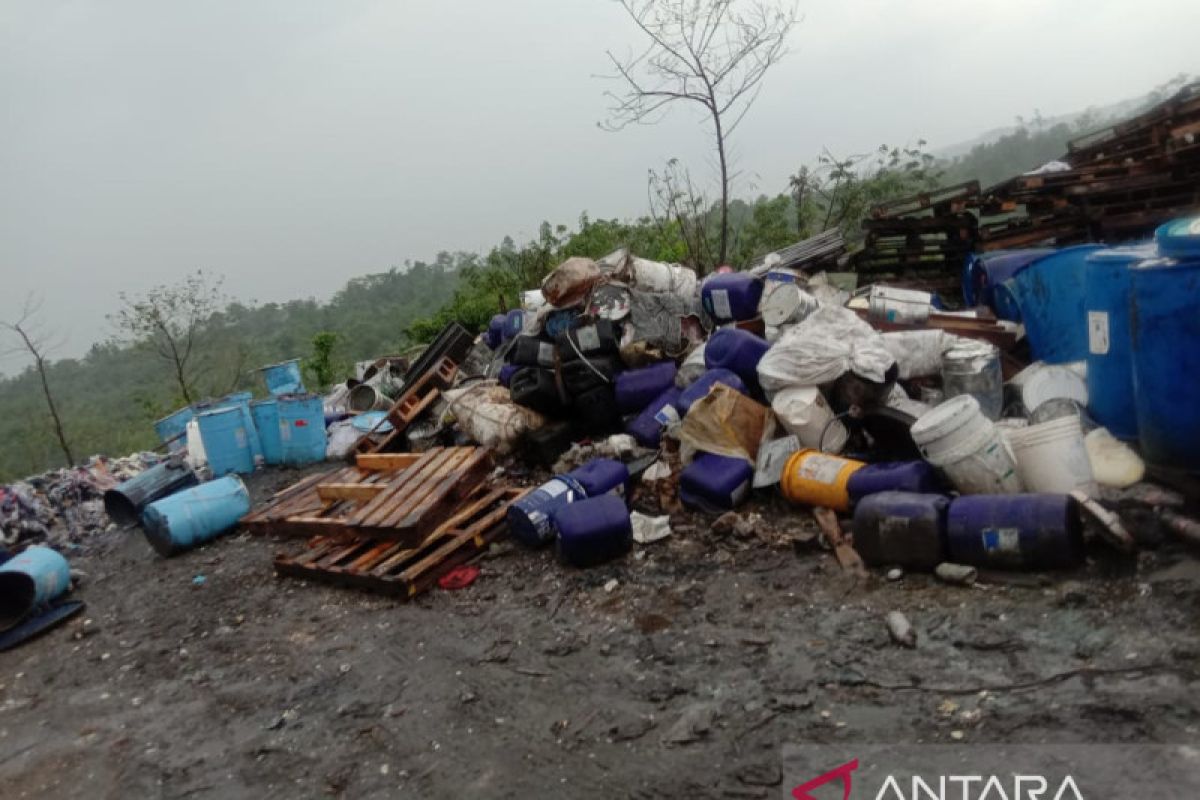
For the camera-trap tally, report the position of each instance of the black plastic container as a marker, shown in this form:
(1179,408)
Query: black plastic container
(535,388)
(547,443)
(583,375)
(592,338)
(530,351)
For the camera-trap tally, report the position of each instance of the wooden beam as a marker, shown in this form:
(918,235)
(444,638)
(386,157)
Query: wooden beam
(380,462)
(349,491)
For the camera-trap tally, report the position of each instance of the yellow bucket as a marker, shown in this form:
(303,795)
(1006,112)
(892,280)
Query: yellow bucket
(819,479)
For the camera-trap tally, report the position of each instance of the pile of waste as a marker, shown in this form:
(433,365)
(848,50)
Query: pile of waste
(1053,415)
(63,507)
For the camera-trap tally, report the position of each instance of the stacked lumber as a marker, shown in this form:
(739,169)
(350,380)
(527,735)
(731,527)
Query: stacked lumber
(1122,182)
(921,241)
(392,523)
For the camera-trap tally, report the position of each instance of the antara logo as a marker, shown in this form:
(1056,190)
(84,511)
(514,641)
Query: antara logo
(949,787)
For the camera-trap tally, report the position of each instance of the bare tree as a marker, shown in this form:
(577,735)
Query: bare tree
(713,53)
(39,346)
(172,319)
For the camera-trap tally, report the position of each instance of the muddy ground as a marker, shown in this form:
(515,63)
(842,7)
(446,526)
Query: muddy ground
(710,654)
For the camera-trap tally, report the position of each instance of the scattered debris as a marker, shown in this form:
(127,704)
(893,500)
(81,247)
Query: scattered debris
(901,630)
(957,574)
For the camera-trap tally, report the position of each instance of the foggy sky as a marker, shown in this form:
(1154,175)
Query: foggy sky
(292,145)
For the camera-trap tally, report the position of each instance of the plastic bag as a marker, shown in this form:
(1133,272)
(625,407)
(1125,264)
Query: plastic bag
(486,412)
(918,354)
(727,423)
(822,348)
(571,282)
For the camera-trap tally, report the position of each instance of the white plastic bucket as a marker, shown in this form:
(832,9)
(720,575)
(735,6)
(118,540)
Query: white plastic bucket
(900,306)
(806,414)
(1051,457)
(957,438)
(785,303)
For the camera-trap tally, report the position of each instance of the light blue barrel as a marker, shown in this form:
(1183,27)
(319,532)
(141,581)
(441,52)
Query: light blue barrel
(171,428)
(1165,326)
(1109,358)
(283,378)
(1050,293)
(35,576)
(265,414)
(226,443)
(194,516)
(301,429)
(242,401)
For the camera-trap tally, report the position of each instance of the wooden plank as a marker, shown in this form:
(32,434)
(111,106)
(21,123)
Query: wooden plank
(360,492)
(386,462)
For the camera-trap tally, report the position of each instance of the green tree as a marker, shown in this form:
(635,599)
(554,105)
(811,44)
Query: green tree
(320,363)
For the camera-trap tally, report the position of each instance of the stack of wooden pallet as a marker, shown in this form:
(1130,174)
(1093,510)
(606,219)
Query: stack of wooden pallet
(921,240)
(1122,182)
(393,522)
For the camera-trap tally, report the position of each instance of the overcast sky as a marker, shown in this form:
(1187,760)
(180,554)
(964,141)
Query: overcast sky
(292,145)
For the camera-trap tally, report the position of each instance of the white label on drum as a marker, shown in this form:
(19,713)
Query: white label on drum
(545,355)
(1002,543)
(1098,332)
(589,338)
(720,303)
(822,469)
(772,457)
(240,437)
(667,415)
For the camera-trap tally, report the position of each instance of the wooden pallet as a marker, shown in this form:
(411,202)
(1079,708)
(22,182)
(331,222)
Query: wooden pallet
(403,505)
(408,406)
(306,497)
(298,498)
(386,566)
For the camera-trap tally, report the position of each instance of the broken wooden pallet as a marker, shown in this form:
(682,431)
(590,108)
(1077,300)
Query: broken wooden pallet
(403,505)
(390,567)
(304,496)
(412,402)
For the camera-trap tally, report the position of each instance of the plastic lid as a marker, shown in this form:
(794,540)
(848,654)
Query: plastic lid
(1179,238)
(948,416)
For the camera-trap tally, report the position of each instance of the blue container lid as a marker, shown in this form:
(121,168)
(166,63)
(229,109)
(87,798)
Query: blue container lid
(1179,238)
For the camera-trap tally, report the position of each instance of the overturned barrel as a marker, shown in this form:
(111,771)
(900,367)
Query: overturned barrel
(124,504)
(1017,531)
(194,516)
(36,576)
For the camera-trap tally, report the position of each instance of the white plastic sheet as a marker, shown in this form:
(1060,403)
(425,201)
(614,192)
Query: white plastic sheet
(829,343)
